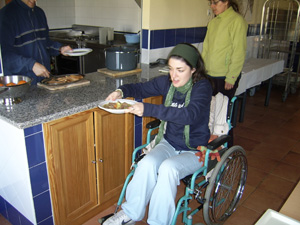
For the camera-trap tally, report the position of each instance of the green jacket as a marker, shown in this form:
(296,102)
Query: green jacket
(224,46)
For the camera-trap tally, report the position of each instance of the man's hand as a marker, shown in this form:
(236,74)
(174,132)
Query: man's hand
(65,49)
(40,70)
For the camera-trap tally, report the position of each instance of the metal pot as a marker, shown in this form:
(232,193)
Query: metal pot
(12,94)
(121,58)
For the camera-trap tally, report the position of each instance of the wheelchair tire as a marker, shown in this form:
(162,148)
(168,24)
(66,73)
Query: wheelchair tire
(226,186)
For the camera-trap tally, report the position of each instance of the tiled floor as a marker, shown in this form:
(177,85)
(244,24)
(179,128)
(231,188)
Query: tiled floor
(271,137)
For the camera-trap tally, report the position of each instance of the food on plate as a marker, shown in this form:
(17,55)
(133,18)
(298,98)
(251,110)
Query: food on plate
(10,84)
(116,105)
(21,82)
(64,79)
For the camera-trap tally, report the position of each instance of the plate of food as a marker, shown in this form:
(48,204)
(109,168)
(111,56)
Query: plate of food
(62,79)
(79,51)
(116,107)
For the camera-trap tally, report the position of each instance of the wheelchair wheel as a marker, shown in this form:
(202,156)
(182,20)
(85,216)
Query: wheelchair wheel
(226,186)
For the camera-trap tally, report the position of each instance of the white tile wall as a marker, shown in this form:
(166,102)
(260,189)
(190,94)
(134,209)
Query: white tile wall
(122,15)
(14,173)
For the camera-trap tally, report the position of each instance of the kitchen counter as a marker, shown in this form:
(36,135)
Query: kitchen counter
(40,105)
(25,142)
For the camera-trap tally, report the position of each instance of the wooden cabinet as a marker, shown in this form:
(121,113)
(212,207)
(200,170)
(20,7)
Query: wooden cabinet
(88,158)
(153,100)
(114,144)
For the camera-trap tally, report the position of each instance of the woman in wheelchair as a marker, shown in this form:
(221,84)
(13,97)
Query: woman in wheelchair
(184,116)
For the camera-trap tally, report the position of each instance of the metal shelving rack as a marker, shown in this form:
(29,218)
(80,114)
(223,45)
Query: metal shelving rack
(279,39)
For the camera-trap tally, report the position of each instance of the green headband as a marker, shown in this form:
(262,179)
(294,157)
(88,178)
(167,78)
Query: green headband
(187,52)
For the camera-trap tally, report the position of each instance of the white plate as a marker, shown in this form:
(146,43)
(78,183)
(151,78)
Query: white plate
(271,217)
(116,111)
(79,51)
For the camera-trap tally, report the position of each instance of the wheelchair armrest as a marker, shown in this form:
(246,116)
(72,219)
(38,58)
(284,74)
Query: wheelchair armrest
(153,124)
(218,142)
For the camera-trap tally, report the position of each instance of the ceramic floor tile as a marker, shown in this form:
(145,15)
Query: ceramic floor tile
(251,134)
(243,216)
(292,158)
(3,221)
(287,172)
(293,124)
(280,140)
(261,200)
(285,131)
(255,176)
(271,151)
(296,148)
(276,115)
(297,113)
(254,110)
(272,120)
(278,186)
(261,126)
(246,143)
(246,123)
(260,162)
(247,192)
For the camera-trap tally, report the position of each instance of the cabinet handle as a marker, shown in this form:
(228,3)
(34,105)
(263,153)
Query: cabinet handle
(93,161)
(100,160)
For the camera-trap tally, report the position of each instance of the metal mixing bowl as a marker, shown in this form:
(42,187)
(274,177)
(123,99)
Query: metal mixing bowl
(12,94)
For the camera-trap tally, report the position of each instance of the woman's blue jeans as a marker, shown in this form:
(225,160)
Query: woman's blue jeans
(155,181)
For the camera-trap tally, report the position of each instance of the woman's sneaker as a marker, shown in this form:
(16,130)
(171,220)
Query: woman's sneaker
(120,218)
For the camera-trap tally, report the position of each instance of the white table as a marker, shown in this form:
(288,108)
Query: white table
(254,72)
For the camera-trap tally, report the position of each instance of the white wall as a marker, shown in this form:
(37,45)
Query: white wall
(122,15)
(15,184)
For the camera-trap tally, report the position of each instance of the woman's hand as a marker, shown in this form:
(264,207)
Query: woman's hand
(114,96)
(228,86)
(136,109)
(40,70)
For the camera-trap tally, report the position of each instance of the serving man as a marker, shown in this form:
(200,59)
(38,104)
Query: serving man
(24,39)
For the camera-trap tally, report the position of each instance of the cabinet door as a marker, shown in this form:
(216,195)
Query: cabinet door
(114,144)
(153,100)
(70,155)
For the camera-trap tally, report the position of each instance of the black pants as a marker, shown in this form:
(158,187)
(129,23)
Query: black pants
(219,84)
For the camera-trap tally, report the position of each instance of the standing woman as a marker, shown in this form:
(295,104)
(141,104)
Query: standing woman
(224,47)
(186,95)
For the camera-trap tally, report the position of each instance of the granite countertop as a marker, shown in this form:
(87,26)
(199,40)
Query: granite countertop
(40,105)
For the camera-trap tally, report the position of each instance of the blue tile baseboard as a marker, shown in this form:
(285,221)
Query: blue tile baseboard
(171,37)
(11,214)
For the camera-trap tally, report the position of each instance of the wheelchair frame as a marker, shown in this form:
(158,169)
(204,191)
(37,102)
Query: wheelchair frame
(218,194)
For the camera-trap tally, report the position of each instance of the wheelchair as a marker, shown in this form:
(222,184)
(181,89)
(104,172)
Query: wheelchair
(216,187)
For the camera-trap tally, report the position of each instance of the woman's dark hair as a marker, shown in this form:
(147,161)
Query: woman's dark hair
(233,4)
(200,72)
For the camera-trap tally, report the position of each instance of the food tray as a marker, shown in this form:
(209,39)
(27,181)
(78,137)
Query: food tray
(62,79)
